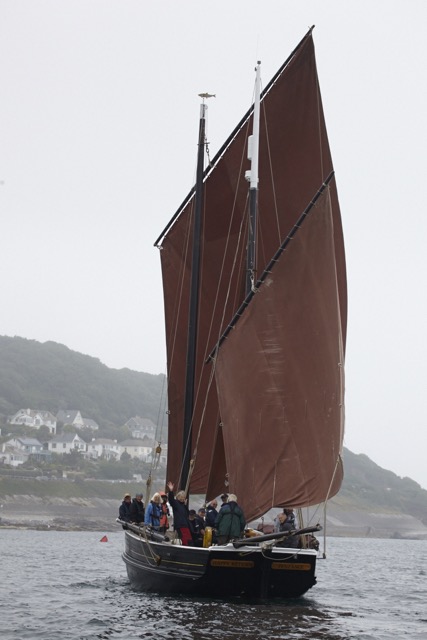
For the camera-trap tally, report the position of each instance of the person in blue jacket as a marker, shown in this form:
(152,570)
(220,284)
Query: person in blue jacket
(153,512)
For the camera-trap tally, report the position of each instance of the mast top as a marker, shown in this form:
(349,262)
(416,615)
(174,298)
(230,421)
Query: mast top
(205,95)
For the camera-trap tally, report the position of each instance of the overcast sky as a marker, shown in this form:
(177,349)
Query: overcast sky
(98,133)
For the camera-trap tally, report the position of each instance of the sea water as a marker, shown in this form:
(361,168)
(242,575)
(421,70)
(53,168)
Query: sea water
(69,585)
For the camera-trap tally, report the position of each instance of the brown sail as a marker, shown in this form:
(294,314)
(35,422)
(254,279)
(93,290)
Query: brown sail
(294,161)
(280,383)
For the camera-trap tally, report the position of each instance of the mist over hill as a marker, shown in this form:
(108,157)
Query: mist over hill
(50,376)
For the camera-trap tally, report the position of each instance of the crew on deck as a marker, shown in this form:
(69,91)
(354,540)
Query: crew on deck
(153,512)
(180,514)
(230,522)
(137,510)
(124,509)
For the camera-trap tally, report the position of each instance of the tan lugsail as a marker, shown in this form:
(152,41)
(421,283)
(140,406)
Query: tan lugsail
(294,162)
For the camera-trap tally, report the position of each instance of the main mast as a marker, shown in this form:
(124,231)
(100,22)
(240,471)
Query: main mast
(194,303)
(252,177)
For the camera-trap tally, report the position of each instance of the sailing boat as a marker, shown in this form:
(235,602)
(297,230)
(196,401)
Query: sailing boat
(256,309)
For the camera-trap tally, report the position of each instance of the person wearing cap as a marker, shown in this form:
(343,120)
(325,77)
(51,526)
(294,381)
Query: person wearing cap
(124,509)
(230,522)
(137,510)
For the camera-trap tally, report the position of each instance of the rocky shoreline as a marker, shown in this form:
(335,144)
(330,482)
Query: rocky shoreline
(97,514)
(58,524)
(58,514)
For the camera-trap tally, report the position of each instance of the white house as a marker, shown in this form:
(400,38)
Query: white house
(103,448)
(13,457)
(67,442)
(35,418)
(137,448)
(141,427)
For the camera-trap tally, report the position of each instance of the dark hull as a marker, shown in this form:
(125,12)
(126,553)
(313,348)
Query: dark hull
(219,571)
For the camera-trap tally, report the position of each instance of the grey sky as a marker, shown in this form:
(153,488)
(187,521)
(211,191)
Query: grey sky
(98,132)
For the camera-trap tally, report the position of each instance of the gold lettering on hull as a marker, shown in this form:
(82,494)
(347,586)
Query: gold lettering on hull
(291,566)
(233,564)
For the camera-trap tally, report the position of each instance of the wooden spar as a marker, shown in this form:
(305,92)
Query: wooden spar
(275,536)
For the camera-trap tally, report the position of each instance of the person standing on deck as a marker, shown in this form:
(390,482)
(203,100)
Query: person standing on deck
(224,500)
(195,528)
(287,524)
(180,514)
(211,513)
(164,518)
(124,509)
(230,522)
(153,512)
(137,510)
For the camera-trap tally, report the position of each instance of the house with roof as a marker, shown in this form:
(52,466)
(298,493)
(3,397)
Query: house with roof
(141,427)
(35,418)
(137,448)
(90,424)
(12,456)
(24,448)
(26,445)
(103,448)
(72,417)
(66,442)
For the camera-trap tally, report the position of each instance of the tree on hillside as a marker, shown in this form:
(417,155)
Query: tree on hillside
(117,433)
(43,434)
(113,470)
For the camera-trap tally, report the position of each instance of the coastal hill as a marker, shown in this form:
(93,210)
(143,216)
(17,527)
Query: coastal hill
(376,502)
(49,376)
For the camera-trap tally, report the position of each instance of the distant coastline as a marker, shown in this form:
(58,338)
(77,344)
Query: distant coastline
(99,514)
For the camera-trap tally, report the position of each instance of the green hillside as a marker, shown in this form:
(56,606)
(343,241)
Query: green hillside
(50,376)
(367,486)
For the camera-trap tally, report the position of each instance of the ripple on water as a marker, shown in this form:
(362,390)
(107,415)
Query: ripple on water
(66,586)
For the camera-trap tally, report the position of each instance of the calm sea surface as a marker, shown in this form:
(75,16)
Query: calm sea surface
(56,585)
